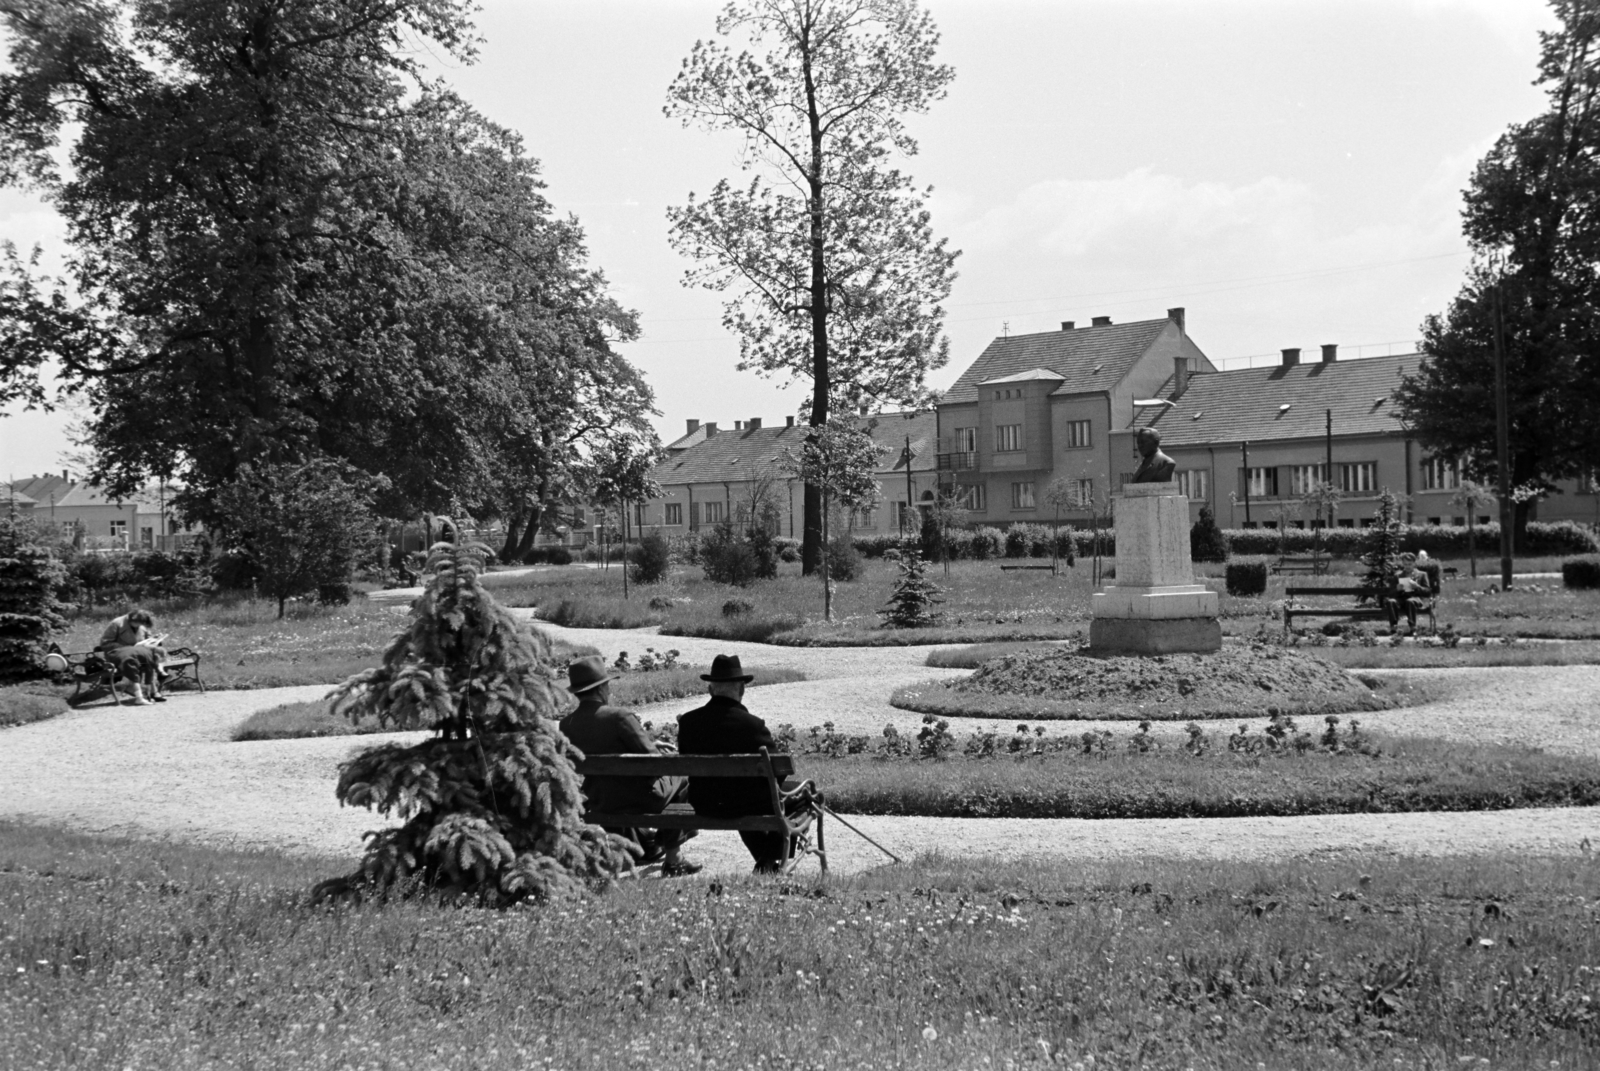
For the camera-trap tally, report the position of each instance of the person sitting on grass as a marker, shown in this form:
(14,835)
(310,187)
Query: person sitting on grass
(1413,588)
(596,728)
(724,727)
(130,645)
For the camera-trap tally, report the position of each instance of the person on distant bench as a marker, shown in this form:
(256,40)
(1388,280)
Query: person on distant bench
(724,727)
(598,729)
(1413,588)
(130,644)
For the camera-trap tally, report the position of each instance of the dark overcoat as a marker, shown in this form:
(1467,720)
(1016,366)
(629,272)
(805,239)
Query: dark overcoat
(600,730)
(724,727)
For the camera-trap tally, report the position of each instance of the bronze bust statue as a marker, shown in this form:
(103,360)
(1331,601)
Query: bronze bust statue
(1156,466)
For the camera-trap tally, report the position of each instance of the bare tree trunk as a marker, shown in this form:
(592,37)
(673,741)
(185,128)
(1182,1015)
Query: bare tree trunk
(811,547)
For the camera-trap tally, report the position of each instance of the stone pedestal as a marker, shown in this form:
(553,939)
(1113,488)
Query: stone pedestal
(1155,607)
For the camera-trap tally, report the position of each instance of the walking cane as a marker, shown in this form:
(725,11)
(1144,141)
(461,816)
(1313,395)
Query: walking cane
(830,811)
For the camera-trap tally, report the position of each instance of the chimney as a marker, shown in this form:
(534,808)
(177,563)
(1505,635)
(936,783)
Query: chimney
(711,429)
(1180,372)
(1176,316)
(1101,321)
(738,425)
(753,424)
(66,474)
(789,422)
(1291,357)
(1330,352)
(694,426)
(1068,325)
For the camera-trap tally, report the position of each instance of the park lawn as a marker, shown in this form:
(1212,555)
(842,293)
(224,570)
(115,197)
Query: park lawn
(316,718)
(1406,774)
(138,954)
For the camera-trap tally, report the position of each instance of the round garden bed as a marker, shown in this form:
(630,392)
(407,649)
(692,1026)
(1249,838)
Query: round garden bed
(1248,680)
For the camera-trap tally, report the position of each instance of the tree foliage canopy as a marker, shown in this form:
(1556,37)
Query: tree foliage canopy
(827,255)
(287,243)
(1530,216)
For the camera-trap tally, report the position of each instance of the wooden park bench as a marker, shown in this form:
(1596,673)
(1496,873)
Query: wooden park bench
(794,806)
(1377,610)
(1314,564)
(1009,566)
(94,674)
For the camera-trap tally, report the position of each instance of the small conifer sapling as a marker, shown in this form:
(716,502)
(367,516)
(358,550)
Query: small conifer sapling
(491,806)
(913,602)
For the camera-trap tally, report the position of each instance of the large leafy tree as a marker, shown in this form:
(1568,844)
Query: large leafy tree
(287,243)
(828,258)
(1530,216)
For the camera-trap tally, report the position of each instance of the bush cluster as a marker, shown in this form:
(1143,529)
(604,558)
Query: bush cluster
(1207,543)
(143,576)
(1247,578)
(1553,538)
(651,560)
(1583,573)
(548,556)
(983,542)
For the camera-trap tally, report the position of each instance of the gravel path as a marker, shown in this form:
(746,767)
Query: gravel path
(171,770)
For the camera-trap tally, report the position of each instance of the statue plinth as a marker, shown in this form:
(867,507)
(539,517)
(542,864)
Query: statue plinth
(1155,607)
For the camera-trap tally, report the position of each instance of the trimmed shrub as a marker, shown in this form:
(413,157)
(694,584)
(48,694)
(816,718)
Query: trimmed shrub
(1581,573)
(844,563)
(1544,539)
(736,607)
(557,556)
(1247,578)
(652,560)
(1206,541)
(727,559)
(1016,541)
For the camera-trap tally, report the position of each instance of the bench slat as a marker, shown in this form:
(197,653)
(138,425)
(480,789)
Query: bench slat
(682,816)
(684,766)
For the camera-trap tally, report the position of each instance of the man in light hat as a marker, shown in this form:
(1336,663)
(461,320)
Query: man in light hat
(724,727)
(596,728)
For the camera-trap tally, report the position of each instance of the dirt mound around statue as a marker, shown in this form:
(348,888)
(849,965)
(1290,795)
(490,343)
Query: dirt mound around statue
(1250,680)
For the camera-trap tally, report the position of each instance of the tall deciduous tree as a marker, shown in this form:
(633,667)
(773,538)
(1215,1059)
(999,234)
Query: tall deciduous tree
(1530,216)
(288,243)
(828,257)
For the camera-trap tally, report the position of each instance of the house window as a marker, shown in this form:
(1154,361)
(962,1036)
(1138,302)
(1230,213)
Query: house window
(1304,479)
(966,440)
(713,512)
(1263,482)
(900,514)
(1346,522)
(674,512)
(1077,433)
(1440,475)
(1080,493)
(119,532)
(1356,477)
(863,518)
(1192,483)
(972,497)
(1022,495)
(1458,521)
(1007,438)
(1483,519)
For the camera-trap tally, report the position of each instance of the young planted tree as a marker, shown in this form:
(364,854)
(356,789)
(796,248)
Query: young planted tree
(913,601)
(1380,548)
(842,460)
(490,805)
(1472,496)
(305,527)
(830,264)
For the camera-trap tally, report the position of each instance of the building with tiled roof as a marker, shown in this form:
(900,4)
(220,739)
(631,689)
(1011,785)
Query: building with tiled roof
(144,520)
(1034,409)
(720,473)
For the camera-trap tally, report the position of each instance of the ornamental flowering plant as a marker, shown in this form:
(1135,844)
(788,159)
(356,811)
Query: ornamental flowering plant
(490,806)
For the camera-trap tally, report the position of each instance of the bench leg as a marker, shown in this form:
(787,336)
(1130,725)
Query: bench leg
(822,848)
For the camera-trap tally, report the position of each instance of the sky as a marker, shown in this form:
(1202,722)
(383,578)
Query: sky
(1289,171)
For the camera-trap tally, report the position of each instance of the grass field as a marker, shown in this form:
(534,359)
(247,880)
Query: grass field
(296,720)
(138,955)
(982,604)
(1406,774)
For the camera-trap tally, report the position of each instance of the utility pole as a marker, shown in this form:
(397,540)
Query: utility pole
(1502,408)
(1327,472)
(909,499)
(1244,450)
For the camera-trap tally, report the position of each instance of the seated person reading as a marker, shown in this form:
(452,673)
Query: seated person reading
(131,646)
(1413,589)
(597,728)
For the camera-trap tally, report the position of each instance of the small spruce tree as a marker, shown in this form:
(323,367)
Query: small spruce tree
(1206,541)
(915,596)
(1380,548)
(29,613)
(491,805)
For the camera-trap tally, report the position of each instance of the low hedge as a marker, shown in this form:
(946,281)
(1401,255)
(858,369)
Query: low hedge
(1247,578)
(1583,573)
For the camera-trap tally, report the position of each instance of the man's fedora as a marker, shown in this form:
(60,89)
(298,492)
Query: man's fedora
(587,673)
(725,667)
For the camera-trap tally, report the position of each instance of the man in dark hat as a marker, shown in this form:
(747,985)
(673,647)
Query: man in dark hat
(598,729)
(724,727)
